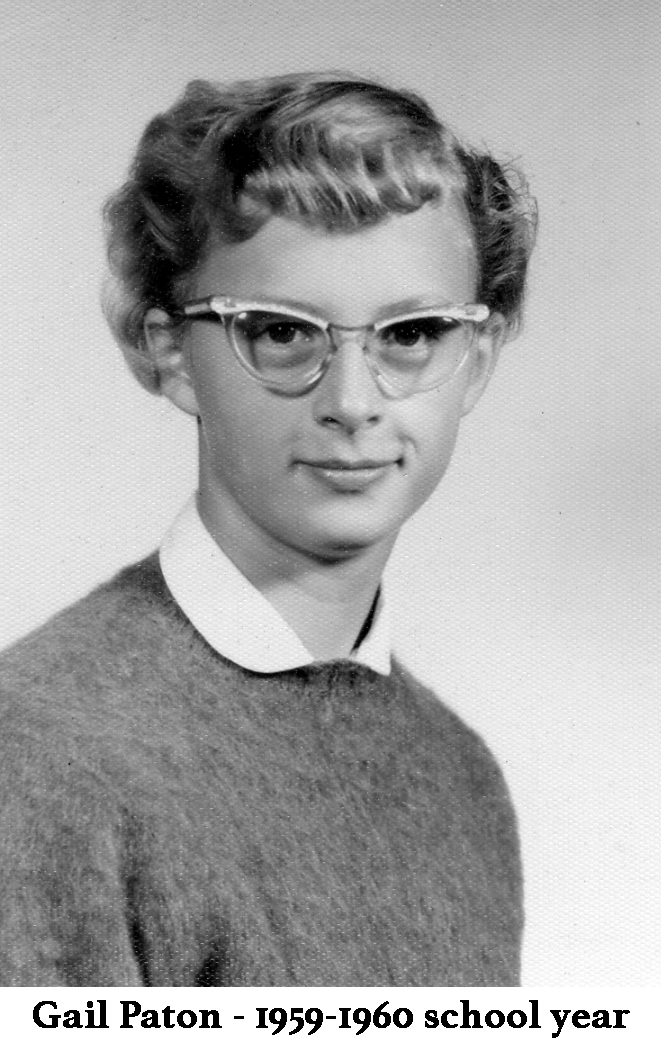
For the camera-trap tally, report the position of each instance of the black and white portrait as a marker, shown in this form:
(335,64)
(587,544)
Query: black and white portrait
(329,586)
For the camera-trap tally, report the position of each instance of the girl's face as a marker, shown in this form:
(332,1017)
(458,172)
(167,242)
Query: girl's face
(337,470)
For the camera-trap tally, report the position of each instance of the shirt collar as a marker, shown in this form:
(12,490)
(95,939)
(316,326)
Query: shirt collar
(233,616)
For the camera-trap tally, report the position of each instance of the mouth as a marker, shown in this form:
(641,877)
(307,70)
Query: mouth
(347,465)
(350,475)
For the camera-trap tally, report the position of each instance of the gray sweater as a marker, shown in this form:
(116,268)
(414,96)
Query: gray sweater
(169,818)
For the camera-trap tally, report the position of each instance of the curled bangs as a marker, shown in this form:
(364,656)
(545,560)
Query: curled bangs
(338,158)
(346,192)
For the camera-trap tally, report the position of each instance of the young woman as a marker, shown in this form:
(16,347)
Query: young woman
(213,772)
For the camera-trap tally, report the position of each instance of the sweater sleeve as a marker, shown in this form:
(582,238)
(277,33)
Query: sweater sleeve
(65,913)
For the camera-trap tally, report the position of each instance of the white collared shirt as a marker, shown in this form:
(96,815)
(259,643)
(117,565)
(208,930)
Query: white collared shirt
(233,616)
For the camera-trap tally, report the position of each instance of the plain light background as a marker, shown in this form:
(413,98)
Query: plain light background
(527,589)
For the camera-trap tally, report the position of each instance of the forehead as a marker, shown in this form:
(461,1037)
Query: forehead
(426,257)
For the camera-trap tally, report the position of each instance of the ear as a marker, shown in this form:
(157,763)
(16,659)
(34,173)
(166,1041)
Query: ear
(165,350)
(485,352)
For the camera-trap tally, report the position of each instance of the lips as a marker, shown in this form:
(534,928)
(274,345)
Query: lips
(359,464)
(350,475)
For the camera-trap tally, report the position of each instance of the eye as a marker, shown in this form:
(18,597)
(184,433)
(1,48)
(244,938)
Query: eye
(272,343)
(274,329)
(427,332)
(287,332)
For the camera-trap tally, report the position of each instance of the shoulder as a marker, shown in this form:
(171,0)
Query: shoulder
(447,741)
(437,716)
(96,704)
(80,672)
(141,583)
(77,639)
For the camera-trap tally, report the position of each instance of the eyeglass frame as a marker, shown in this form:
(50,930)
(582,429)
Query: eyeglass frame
(226,307)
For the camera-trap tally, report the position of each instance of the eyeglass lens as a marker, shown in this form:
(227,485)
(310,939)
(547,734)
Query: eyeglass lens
(289,352)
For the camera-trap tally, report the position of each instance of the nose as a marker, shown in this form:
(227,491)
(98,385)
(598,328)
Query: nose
(347,396)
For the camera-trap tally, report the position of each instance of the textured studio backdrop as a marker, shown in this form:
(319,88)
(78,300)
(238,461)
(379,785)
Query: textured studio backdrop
(527,589)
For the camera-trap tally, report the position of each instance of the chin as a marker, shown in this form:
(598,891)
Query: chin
(344,538)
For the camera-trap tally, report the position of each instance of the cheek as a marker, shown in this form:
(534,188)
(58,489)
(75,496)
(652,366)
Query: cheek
(431,436)
(235,436)
(432,426)
(246,430)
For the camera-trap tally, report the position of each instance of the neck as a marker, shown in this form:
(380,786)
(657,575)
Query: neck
(324,601)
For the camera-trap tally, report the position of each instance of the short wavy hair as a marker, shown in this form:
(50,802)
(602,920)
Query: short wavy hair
(331,150)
